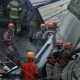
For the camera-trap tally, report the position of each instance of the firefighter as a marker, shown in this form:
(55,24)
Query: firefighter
(8,36)
(68,46)
(62,61)
(51,29)
(72,69)
(41,32)
(66,53)
(38,42)
(15,9)
(29,69)
(52,59)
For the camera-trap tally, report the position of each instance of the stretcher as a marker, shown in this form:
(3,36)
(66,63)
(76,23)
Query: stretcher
(41,57)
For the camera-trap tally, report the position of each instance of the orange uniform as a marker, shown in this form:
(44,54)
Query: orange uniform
(29,70)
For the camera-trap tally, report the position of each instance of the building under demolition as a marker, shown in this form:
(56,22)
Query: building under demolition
(47,28)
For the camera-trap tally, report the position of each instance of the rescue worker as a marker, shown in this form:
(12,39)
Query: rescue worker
(68,48)
(38,42)
(29,69)
(15,9)
(51,29)
(63,60)
(53,58)
(41,32)
(8,36)
(72,69)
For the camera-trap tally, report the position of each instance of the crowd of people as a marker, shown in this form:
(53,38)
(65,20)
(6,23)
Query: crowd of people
(60,63)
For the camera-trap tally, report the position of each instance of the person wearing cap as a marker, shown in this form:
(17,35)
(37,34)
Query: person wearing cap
(62,61)
(65,57)
(38,41)
(29,69)
(53,58)
(68,46)
(52,25)
(41,32)
(51,29)
(8,36)
(72,70)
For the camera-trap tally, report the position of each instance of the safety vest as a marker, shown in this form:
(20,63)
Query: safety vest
(15,9)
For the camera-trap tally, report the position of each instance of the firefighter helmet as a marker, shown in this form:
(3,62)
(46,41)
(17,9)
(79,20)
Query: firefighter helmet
(30,55)
(59,42)
(68,45)
(42,25)
(54,22)
(50,24)
(10,25)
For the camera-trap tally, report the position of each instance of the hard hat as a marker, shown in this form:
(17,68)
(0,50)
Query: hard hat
(30,55)
(42,25)
(51,24)
(59,42)
(10,25)
(54,22)
(68,45)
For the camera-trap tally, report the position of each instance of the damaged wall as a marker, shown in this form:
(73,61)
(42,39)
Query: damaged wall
(70,28)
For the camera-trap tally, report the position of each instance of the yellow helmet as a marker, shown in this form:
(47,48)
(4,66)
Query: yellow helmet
(30,55)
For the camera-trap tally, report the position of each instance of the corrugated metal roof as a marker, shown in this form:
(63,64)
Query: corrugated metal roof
(53,10)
